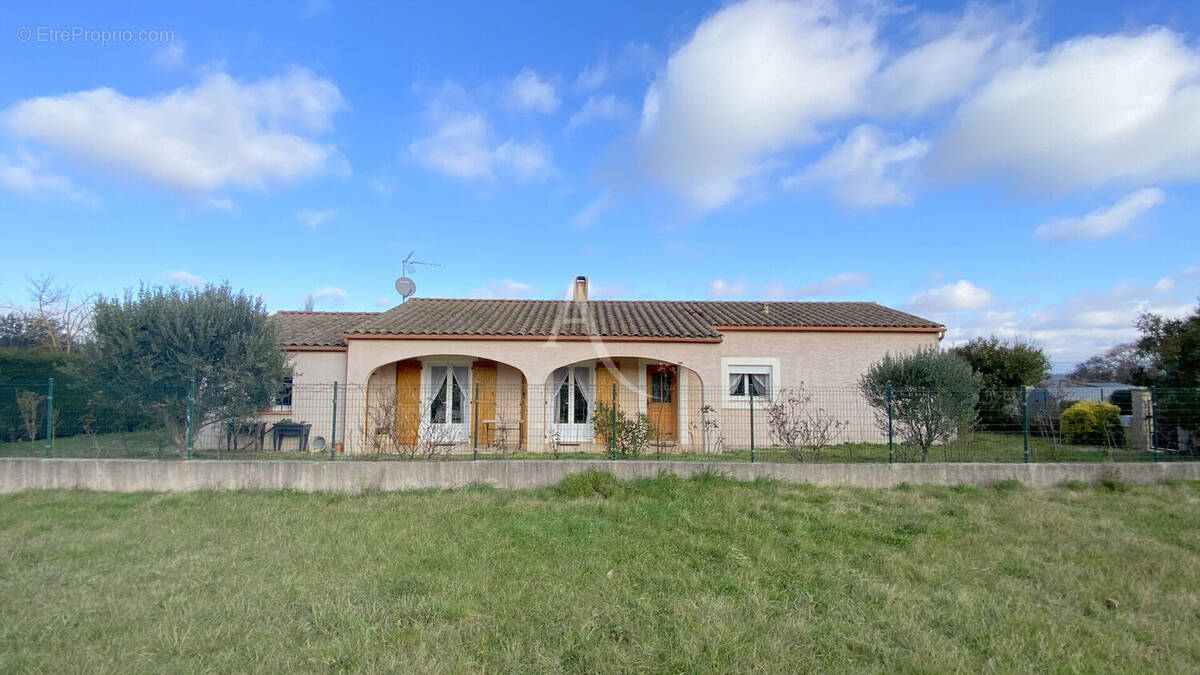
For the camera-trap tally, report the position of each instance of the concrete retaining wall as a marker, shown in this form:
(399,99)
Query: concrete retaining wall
(137,475)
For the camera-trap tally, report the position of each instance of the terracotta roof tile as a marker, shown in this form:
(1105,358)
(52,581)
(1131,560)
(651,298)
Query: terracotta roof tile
(316,329)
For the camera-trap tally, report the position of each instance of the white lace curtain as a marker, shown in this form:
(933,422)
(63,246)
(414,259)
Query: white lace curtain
(583,380)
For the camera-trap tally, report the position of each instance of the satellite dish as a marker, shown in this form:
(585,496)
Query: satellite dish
(405,287)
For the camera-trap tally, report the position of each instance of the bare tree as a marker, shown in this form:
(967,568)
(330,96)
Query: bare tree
(804,429)
(64,314)
(29,404)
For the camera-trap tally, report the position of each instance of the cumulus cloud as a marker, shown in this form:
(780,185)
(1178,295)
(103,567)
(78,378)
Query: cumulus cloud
(1091,110)
(598,109)
(219,133)
(754,79)
(527,91)
(312,218)
(720,289)
(183,278)
(865,170)
(506,289)
(25,175)
(959,55)
(959,296)
(838,283)
(170,55)
(462,144)
(1104,222)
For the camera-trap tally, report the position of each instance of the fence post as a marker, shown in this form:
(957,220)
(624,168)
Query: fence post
(191,419)
(750,389)
(333,427)
(612,429)
(1025,419)
(475,424)
(1154,423)
(891,444)
(49,418)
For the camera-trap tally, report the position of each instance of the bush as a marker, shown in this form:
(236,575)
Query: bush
(633,435)
(1093,423)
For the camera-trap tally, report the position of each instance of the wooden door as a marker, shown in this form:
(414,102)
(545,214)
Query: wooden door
(485,413)
(605,379)
(408,402)
(662,399)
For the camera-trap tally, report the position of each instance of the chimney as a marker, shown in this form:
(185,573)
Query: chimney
(580,292)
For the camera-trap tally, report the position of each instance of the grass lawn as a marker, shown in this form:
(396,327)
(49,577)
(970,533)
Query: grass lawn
(975,447)
(664,574)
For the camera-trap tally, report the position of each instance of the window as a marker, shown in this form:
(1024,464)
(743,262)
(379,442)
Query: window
(757,385)
(449,385)
(662,386)
(572,401)
(746,376)
(283,400)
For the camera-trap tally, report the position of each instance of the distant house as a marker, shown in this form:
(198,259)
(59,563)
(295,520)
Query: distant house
(531,373)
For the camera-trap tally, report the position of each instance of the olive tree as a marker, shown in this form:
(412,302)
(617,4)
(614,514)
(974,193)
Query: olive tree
(932,396)
(149,345)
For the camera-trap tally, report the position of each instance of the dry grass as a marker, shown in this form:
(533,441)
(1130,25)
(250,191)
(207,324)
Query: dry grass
(663,575)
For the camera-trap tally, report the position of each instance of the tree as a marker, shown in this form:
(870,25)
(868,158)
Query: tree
(1003,367)
(1122,363)
(150,344)
(1172,349)
(18,329)
(933,396)
(1005,364)
(62,313)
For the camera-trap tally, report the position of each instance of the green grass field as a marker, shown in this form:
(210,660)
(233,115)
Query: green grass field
(976,447)
(662,575)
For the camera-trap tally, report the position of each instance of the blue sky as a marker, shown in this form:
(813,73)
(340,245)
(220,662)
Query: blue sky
(1024,170)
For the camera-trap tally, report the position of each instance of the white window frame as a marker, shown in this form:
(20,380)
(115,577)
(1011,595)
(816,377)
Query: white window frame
(457,432)
(572,432)
(757,365)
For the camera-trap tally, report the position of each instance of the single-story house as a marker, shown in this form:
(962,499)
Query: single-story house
(531,373)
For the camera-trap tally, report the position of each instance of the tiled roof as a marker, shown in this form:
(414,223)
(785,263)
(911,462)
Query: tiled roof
(316,329)
(603,318)
(625,318)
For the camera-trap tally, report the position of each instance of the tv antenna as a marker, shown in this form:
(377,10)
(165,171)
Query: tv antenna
(404,285)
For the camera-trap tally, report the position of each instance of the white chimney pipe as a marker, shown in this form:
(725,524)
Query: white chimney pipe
(580,292)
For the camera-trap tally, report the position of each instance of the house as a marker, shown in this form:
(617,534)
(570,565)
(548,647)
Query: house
(531,373)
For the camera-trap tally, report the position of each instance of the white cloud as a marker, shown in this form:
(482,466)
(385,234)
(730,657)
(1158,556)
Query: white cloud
(314,7)
(593,76)
(183,278)
(1090,111)
(330,296)
(385,302)
(720,289)
(528,161)
(838,283)
(775,291)
(961,53)
(25,175)
(527,91)
(598,109)
(865,170)
(503,289)
(170,56)
(587,215)
(223,204)
(221,132)
(315,218)
(956,297)
(381,187)
(462,146)
(755,79)
(1104,222)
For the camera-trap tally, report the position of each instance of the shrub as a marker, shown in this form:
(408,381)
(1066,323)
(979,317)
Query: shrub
(933,396)
(804,429)
(1093,423)
(633,435)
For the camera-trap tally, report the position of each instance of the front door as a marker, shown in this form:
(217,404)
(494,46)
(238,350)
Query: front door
(662,395)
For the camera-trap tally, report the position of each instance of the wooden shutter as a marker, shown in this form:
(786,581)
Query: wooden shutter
(484,373)
(408,401)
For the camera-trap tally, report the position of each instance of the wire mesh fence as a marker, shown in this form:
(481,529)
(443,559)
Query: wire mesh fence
(454,417)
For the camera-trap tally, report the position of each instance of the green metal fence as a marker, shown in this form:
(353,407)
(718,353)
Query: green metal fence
(460,420)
